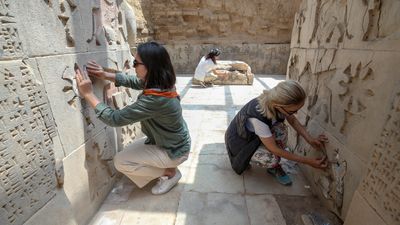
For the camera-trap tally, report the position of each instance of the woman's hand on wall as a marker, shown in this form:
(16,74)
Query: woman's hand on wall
(84,84)
(96,70)
(319,142)
(85,87)
(319,163)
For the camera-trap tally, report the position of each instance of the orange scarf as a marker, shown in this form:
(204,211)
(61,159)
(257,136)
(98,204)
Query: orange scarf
(167,94)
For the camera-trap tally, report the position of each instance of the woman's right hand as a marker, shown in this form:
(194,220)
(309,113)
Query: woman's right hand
(319,163)
(95,70)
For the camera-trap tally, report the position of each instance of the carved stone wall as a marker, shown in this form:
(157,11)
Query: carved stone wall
(55,155)
(345,54)
(256,32)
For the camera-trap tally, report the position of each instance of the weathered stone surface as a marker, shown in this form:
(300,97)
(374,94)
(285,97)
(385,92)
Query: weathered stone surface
(72,26)
(238,72)
(233,21)
(262,58)
(27,130)
(211,208)
(345,53)
(234,72)
(360,212)
(82,123)
(10,42)
(58,207)
(263,209)
(42,120)
(255,32)
(90,177)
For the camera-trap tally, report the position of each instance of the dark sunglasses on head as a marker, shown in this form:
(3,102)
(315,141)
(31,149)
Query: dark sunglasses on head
(136,63)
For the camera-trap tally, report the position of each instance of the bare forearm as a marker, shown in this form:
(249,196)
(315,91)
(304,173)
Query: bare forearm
(299,128)
(110,76)
(271,145)
(92,100)
(287,155)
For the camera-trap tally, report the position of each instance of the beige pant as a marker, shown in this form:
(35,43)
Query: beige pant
(142,163)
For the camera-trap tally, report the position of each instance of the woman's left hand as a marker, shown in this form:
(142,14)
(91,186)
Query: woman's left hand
(319,142)
(84,84)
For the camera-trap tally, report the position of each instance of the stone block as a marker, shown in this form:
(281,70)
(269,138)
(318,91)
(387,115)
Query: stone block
(360,212)
(27,131)
(262,58)
(67,27)
(211,208)
(263,209)
(58,211)
(88,176)
(373,25)
(82,122)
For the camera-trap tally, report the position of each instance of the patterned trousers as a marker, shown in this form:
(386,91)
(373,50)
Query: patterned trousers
(263,157)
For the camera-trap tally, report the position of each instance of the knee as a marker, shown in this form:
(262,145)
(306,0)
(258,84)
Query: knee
(122,164)
(118,162)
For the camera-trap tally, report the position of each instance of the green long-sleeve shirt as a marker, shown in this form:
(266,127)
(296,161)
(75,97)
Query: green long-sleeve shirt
(160,117)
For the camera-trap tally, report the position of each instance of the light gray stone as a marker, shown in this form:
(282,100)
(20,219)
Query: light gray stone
(211,208)
(262,58)
(213,178)
(258,181)
(263,209)
(91,179)
(82,122)
(360,212)
(58,211)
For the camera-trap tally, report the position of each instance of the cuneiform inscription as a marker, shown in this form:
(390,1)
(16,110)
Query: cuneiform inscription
(10,44)
(27,172)
(381,187)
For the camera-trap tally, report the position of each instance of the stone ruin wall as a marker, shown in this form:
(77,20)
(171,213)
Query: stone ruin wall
(346,55)
(55,155)
(256,32)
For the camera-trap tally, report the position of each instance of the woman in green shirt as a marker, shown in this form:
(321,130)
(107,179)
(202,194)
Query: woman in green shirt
(159,112)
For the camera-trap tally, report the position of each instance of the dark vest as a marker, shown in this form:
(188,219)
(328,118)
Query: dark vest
(240,142)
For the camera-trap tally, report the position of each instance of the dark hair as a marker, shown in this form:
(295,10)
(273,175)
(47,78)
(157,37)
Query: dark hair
(212,54)
(160,72)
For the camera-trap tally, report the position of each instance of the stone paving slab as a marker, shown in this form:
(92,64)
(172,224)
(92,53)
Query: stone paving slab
(263,209)
(211,178)
(258,181)
(212,208)
(210,192)
(293,207)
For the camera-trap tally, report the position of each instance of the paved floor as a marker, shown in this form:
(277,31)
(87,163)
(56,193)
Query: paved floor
(209,191)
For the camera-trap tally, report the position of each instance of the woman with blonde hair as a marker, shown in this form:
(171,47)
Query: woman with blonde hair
(258,135)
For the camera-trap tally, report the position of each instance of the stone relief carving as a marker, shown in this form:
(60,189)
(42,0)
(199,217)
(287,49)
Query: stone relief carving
(27,163)
(381,185)
(10,43)
(331,182)
(349,89)
(67,9)
(108,23)
(371,20)
(130,19)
